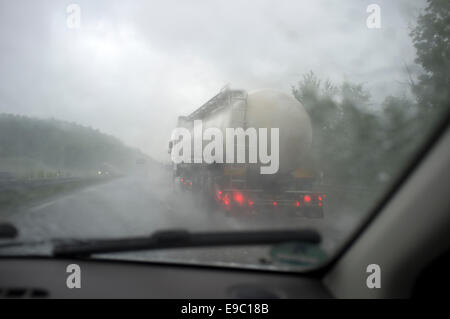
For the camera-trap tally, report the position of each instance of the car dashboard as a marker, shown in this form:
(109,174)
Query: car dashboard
(42,277)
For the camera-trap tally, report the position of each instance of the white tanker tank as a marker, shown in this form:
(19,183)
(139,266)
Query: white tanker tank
(238,187)
(263,108)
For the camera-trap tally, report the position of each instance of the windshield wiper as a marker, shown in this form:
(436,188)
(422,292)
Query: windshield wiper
(182,239)
(8,231)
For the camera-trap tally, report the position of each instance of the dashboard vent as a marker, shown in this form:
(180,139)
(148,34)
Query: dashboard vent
(18,292)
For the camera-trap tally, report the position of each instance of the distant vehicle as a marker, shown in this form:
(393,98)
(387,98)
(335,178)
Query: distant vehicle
(240,187)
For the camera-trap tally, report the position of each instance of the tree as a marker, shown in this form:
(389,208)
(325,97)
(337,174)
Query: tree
(431,38)
(354,144)
(345,133)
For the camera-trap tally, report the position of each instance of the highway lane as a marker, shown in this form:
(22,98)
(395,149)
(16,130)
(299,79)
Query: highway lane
(128,206)
(142,204)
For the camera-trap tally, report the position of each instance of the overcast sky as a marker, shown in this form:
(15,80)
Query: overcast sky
(132,67)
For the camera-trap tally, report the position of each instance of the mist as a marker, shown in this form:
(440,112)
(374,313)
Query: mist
(88,106)
(131,69)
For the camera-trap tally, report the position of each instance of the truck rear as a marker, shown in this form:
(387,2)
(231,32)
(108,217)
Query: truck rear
(246,185)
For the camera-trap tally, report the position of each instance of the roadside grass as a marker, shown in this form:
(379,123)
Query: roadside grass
(14,195)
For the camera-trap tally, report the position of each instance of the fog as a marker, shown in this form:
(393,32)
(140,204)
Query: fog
(131,68)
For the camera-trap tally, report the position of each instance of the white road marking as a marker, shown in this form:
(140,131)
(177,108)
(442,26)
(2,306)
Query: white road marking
(47,204)
(44,205)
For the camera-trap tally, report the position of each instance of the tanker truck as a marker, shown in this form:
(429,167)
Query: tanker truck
(248,153)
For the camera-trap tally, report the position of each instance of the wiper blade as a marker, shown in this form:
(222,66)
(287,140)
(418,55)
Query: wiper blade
(182,239)
(8,231)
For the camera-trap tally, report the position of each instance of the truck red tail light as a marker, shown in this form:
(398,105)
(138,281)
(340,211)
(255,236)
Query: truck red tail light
(250,202)
(238,198)
(274,203)
(297,204)
(190,183)
(226,200)
(307,199)
(181,179)
(319,198)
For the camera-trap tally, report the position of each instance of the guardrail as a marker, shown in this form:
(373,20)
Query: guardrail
(37,182)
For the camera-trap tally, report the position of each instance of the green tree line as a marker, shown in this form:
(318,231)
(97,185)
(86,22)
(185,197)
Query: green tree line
(357,143)
(38,148)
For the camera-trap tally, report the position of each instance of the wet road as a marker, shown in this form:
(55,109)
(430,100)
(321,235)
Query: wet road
(142,204)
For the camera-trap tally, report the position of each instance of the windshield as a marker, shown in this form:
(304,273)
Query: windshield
(121,119)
